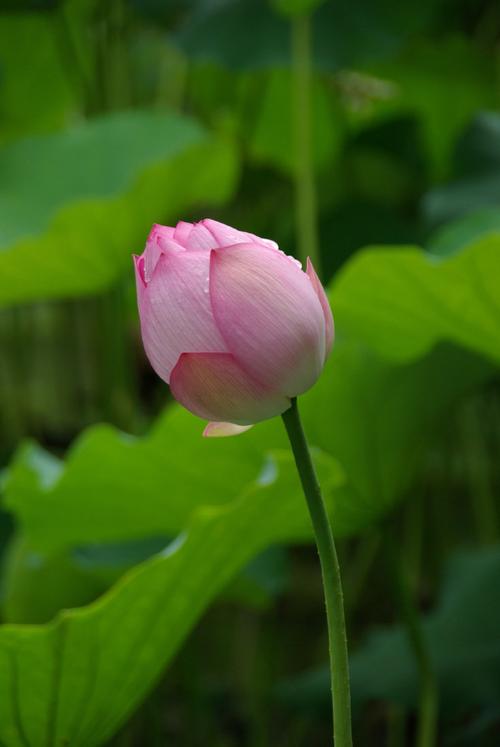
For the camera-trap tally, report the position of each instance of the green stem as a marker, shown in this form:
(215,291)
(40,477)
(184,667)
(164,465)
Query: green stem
(477,465)
(305,188)
(428,700)
(339,662)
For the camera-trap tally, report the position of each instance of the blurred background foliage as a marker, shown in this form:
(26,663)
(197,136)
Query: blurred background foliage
(121,530)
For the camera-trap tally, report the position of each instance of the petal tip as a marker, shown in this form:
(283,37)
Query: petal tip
(156,228)
(325,305)
(221,430)
(138,261)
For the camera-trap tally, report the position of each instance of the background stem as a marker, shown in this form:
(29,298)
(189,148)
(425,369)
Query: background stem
(305,189)
(477,462)
(428,697)
(339,663)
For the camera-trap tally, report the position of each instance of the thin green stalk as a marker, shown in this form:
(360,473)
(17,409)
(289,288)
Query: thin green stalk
(75,58)
(428,700)
(118,94)
(483,502)
(305,188)
(413,539)
(332,585)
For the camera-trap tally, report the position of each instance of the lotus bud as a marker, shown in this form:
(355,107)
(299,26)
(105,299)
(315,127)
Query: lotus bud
(230,322)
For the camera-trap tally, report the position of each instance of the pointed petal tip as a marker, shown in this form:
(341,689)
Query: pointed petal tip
(156,228)
(138,261)
(182,232)
(159,235)
(222,430)
(325,305)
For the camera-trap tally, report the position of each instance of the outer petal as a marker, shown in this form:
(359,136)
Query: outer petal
(215,387)
(220,430)
(175,310)
(269,315)
(228,236)
(325,305)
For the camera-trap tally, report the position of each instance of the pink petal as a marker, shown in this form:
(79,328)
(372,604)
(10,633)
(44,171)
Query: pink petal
(220,430)
(210,234)
(228,236)
(160,241)
(139,273)
(194,236)
(175,311)
(160,233)
(182,232)
(214,386)
(269,315)
(325,305)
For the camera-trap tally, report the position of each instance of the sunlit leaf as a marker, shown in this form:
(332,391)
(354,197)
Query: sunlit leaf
(403,301)
(75,205)
(76,679)
(169,473)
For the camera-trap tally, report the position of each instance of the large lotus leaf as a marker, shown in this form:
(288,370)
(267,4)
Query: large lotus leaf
(74,205)
(402,301)
(74,681)
(36,586)
(378,420)
(168,474)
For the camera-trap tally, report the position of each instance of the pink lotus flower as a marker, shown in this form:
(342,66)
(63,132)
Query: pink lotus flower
(230,322)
